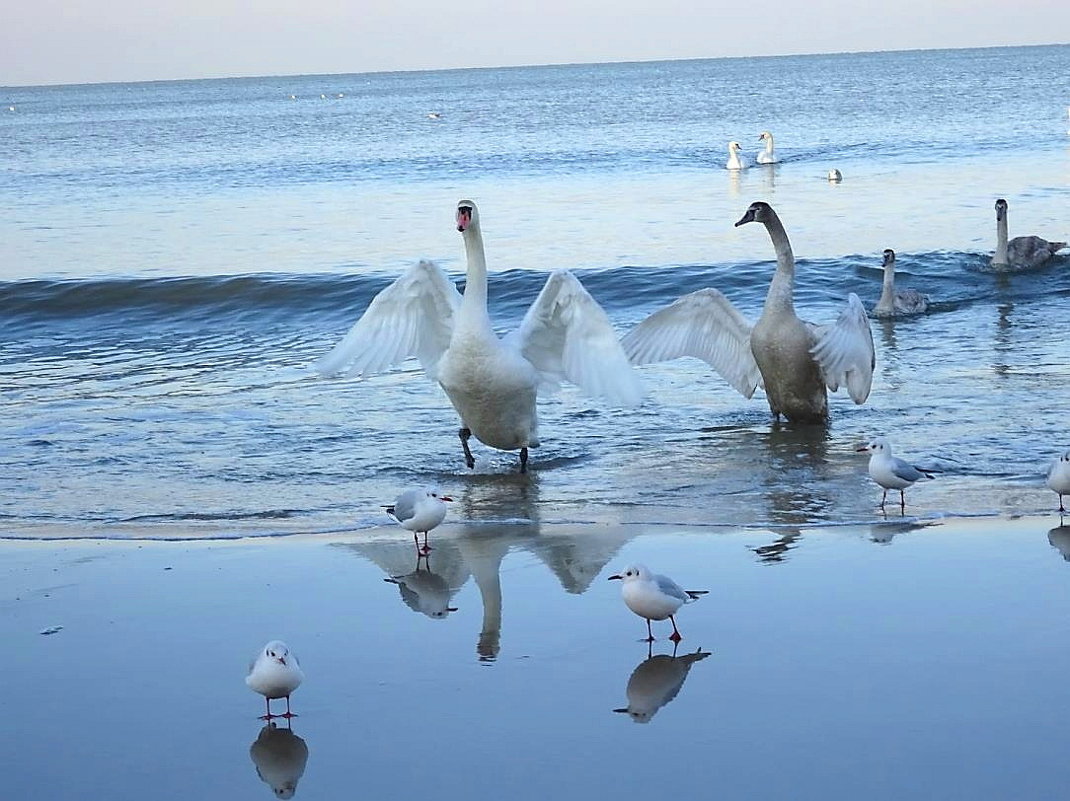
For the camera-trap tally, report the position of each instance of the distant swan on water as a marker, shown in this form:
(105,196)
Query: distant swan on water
(793,359)
(492,382)
(734,161)
(835,176)
(899,302)
(766,156)
(1022,252)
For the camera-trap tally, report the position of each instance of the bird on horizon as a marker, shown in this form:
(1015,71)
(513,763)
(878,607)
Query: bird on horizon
(654,597)
(275,673)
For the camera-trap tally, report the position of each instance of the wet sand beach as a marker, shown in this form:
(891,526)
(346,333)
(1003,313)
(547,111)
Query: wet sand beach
(887,661)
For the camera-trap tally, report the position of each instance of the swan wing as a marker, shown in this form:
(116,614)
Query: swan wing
(844,351)
(411,317)
(704,325)
(567,335)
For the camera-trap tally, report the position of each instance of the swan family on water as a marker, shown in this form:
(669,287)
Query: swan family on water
(493,382)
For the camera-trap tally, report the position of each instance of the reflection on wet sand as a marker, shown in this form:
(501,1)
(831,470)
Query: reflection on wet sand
(1059,537)
(777,551)
(656,681)
(279,756)
(476,549)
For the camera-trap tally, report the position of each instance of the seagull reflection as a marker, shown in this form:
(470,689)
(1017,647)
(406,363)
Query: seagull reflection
(1059,537)
(426,588)
(280,757)
(778,551)
(656,681)
(424,591)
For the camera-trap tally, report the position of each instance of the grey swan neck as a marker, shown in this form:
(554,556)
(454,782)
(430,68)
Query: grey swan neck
(1000,256)
(782,288)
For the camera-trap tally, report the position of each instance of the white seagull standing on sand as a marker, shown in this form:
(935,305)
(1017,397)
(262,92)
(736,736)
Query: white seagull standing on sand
(492,382)
(654,597)
(275,673)
(792,358)
(1059,477)
(419,510)
(891,472)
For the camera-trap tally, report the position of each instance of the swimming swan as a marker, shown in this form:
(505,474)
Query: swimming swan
(794,360)
(492,382)
(766,156)
(734,161)
(897,302)
(1022,252)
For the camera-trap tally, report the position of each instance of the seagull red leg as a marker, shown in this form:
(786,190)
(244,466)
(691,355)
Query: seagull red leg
(675,636)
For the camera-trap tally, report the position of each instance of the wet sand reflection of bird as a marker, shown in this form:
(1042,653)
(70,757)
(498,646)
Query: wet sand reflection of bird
(656,681)
(280,757)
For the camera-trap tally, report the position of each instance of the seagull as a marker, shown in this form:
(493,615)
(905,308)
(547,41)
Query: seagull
(835,176)
(890,472)
(656,681)
(419,510)
(654,597)
(1059,477)
(275,673)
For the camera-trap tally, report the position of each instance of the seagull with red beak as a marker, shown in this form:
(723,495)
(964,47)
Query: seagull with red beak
(275,673)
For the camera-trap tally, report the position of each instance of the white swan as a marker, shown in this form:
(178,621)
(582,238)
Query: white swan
(794,359)
(897,302)
(766,156)
(734,161)
(1022,252)
(491,382)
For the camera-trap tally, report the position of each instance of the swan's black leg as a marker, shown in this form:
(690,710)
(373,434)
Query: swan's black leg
(464,434)
(523,460)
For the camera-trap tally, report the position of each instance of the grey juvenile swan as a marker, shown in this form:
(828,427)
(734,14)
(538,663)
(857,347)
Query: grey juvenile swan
(794,360)
(894,301)
(491,382)
(1022,252)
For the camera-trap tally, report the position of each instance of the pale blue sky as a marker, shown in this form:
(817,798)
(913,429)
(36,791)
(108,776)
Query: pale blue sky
(55,41)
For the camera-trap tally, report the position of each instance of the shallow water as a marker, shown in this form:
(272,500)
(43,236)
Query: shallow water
(176,256)
(884,661)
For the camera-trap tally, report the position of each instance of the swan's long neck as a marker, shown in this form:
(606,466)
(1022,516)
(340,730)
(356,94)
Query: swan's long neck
(474,303)
(887,299)
(782,288)
(769,144)
(1001,240)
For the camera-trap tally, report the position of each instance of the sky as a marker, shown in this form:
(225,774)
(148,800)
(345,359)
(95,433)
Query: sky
(92,41)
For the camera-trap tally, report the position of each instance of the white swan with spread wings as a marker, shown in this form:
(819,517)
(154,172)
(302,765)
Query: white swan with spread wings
(492,382)
(795,360)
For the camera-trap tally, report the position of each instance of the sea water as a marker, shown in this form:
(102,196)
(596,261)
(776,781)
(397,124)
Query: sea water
(174,257)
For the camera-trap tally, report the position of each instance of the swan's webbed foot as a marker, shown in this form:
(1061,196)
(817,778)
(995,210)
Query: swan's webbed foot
(469,459)
(523,460)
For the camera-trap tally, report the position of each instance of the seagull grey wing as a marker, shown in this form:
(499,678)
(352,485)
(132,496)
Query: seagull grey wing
(405,506)
(906,471)
(670,587)
(411,317)
(704,325)
(567,335)
(844,351)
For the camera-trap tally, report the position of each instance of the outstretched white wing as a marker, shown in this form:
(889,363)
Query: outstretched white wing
(704,325)
(567,335)
(411,317)
(844,351)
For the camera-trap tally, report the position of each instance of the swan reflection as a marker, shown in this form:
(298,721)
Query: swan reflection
(279,756)
(656,681)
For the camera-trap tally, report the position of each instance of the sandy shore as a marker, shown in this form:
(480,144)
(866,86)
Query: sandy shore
(890,661)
